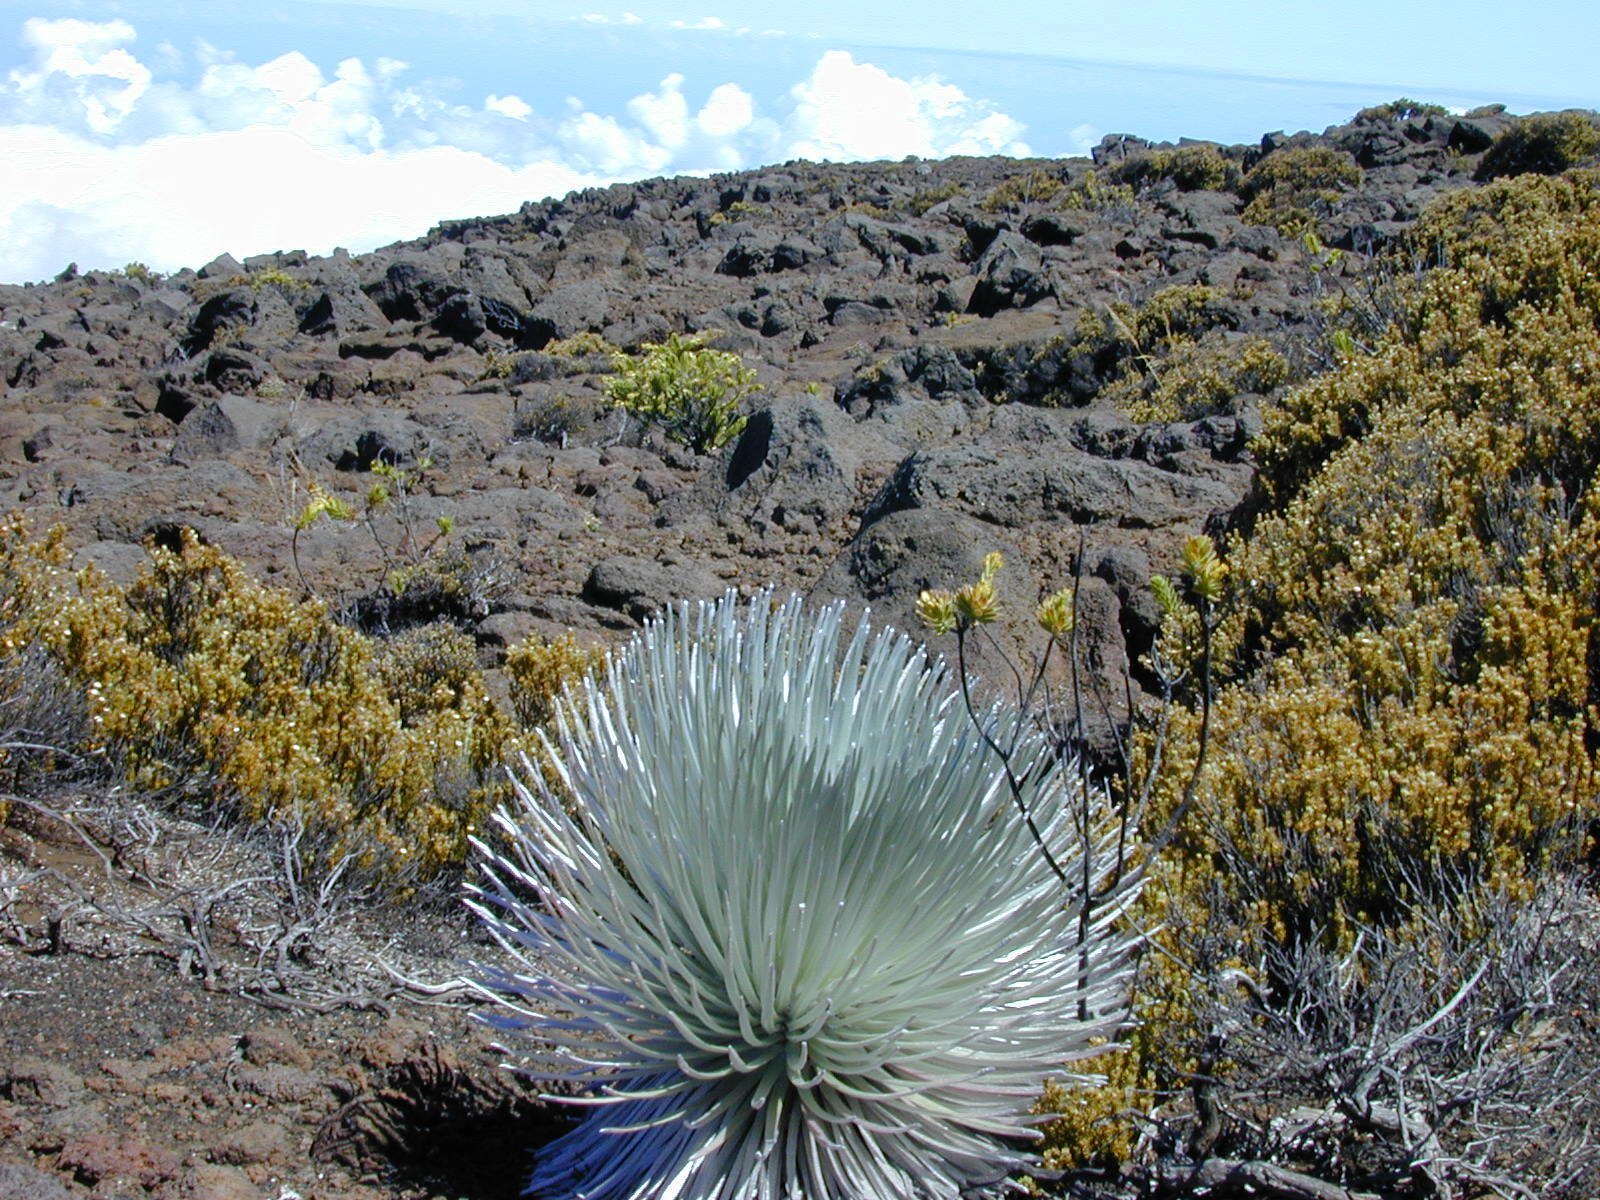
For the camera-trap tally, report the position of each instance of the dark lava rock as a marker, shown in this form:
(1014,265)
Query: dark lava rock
(640,586)
(1004,488)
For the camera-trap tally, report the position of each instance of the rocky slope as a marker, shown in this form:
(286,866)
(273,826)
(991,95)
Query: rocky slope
(955,357)
(927,390)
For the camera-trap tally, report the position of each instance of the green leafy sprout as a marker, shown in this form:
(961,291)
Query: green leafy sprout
(692,391)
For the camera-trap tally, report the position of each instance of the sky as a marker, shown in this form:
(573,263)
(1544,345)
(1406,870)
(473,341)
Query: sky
(168,131)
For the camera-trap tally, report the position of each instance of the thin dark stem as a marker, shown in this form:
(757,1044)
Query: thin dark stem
(1013,784)
(1190,788)
(1086,906)
(294,554)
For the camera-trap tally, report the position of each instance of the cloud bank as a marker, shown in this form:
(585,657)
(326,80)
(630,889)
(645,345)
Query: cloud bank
(169,157)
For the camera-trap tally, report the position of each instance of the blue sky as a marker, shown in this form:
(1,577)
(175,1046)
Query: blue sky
(167,131)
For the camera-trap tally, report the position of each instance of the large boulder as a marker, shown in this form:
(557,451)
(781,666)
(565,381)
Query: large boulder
(571,309)
(794,466)
(1010,275)
(1009,487)
(892,561)
(355,441)
(220,426)
(640,587)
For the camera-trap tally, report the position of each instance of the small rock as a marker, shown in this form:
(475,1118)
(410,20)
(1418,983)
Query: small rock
(59,1126)
(257,1142)
(39,1081)
(274,1044)
(18,1181)
(278,1082)
(505,629)
(225,424)
(639,587)
(224,266)
(211,1181)
(116,1156)
(657,485)
(126,1074)
(185,1052)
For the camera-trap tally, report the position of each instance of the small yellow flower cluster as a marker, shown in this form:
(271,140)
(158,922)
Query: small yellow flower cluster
(324,504)
(975,604)
(1204,569)
(1056,613)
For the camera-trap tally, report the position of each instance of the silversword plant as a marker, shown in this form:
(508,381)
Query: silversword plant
(788,930)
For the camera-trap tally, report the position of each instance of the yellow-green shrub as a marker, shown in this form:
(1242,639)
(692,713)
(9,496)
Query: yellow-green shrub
(692,391)
(1199,166)
(925,198)
(1287,188)
(542,669)
(580,344)
(203,681)
(21,672)
(1176,363)
(1097,192)
(1401,109)
(1196,377)
(1170,313)
(1545,143)
(1025,187)
(1409,664)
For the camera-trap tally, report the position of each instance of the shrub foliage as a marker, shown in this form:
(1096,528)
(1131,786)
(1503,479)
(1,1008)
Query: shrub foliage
(1290,188)
(1544,143)
(692,391)
(254,702)
(1407,659)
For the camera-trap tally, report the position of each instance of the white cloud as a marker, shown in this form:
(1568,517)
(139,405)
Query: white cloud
(727,110)
(82,61)
(514,107)
(664,114)
(182,199)
(702,23)
(1083,138)
(848,110)
(130,160)
(604,147)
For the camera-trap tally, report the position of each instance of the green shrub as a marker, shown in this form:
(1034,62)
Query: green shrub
(1197,377)
(254,703)
(925,198)
(499,365)
(1403,109)
(265,277)
(580,345)
(1421,588)
(1408,655)
(1197,167)
(739,210)
(1288,188)
(1171,312)
(1544,144)
(692,391)
(541,670)
(1098,192)
(1025,187)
